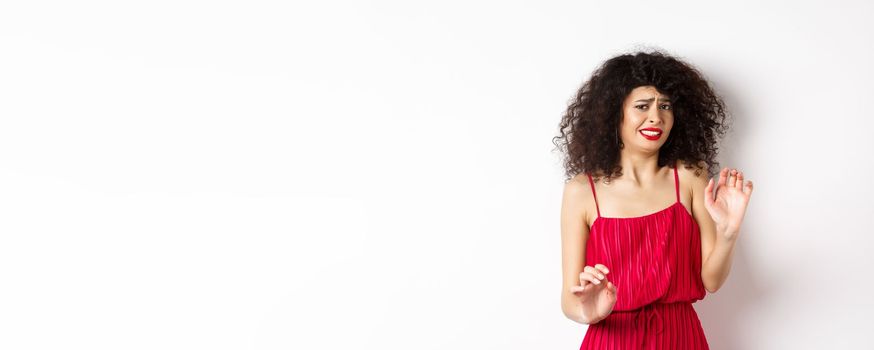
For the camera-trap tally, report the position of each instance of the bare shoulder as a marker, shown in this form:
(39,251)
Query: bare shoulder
(577,197)
(693,179)
(697,172)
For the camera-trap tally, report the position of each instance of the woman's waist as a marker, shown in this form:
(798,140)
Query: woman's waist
(654,316)
(660,305)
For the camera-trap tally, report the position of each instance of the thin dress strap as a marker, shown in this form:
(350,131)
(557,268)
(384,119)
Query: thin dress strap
(593,195)
(677,182)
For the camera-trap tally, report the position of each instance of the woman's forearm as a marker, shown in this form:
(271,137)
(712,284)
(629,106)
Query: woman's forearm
(573,310)
(717,264)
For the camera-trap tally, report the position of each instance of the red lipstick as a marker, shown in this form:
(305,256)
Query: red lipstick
(655,133)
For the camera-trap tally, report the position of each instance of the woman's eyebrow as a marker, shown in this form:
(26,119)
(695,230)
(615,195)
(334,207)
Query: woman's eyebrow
(664,99)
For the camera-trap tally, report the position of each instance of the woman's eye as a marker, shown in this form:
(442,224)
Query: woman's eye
(669,107)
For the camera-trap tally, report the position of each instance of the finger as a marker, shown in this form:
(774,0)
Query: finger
(602,268)
(722,177)
(586,278)
(740,180)
(577,289)
(732,178)
(748,188)
(592,279)
(592,276)
(594,272)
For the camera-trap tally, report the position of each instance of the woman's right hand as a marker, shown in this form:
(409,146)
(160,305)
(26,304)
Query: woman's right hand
(597,294)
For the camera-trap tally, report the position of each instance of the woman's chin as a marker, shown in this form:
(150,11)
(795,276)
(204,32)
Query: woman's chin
(649,148)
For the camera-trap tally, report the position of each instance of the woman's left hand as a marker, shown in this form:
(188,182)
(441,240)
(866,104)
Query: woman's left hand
(728,205)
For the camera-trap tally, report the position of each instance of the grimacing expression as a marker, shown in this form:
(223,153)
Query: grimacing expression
(647,119)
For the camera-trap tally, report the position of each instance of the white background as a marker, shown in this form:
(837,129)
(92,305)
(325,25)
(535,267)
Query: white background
(380,175)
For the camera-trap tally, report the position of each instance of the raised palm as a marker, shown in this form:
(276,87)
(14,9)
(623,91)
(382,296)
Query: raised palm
(728,206)
(596,293)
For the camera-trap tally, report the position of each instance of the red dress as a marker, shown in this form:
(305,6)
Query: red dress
(655,262)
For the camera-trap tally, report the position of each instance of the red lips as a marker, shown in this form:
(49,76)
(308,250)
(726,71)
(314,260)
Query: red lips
(652,138)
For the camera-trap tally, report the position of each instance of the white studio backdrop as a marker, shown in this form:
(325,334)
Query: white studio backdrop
(381,175)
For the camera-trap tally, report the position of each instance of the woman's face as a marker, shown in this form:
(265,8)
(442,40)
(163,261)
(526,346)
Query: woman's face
(645,108)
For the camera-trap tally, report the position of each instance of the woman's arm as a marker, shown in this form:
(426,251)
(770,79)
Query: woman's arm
(574,234)
(717,241)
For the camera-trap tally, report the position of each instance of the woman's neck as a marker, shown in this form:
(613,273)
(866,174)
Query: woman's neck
(639,169)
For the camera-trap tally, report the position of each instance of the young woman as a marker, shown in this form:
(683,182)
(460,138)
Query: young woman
(645,229)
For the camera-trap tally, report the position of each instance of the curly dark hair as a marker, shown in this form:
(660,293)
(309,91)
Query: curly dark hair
(589,128)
